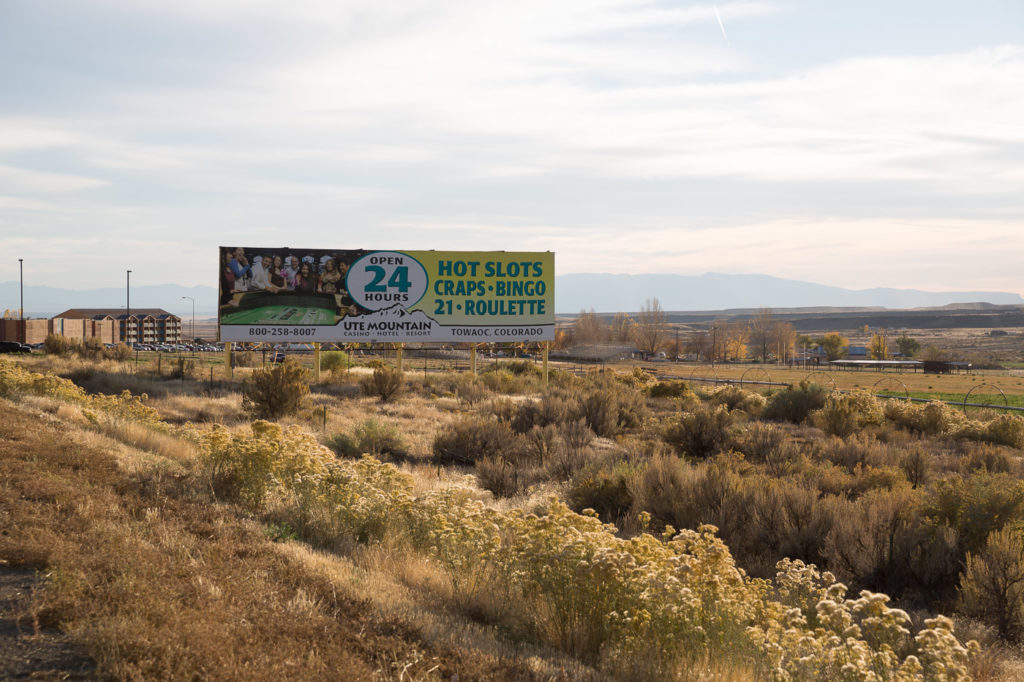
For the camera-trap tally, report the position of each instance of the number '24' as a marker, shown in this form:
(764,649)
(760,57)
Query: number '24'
(399,279)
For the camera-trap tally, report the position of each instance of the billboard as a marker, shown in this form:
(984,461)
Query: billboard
(304,295)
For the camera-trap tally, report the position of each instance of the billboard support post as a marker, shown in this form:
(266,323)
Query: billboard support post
(228,369)
(399,349)
(316,361)
(472,358)
(547,346)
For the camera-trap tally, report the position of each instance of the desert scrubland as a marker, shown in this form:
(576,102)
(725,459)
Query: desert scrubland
(624,523)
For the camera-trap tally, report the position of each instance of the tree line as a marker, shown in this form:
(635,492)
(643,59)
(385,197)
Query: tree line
(763,337)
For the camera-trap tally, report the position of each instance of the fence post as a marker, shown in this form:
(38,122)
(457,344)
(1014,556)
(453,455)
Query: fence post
(547,345)
(316,367)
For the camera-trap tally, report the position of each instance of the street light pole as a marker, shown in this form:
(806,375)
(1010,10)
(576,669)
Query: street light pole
(128,309)
(21,288)
(193,323)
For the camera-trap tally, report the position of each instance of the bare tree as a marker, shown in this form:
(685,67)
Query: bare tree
(699,343)
(589,328)
(650,327)
(621,328)
(783,340)
(761,337)
(719,337)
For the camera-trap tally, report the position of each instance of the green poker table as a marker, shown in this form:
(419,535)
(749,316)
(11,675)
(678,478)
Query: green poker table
(281,309)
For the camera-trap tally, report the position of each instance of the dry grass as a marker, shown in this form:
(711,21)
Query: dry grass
(411,588)
(846,380)
(184,407)
(159,582)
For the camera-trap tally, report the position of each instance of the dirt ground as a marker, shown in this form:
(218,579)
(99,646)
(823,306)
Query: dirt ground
(27,653)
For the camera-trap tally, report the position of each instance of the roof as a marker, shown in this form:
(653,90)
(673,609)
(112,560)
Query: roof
(115,313)
(876,363)
(595,352)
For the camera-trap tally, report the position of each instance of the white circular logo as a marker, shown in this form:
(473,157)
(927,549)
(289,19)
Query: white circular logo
(384,279)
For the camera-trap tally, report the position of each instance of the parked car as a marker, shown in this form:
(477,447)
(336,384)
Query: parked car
(14,347)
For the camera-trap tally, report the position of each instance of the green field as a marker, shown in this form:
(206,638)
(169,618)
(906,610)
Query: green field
(280,314)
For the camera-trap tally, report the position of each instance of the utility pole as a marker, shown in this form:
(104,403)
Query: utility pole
(128,309)
(193,317)
(21,305)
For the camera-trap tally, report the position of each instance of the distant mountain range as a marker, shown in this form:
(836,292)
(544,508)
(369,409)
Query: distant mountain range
(573,293)
(44,301)
(713,291)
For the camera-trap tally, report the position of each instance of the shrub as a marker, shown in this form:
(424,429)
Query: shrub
(769,445)
(572,451)
(669,389)
(91,348)
(542,443)
(858,450)
(504,409)
(937,418)
(605,488)
(795,403)
(498,475)
(933,419)
(845,413)
(473,438)
(469,390)
(501,380)
(249,467)
(371,437)
(611,407)
(554,407)
(713,492)
(790,520)
(385,384)
(244,358)
(1005,429)
(916,465)
(874,537)
(976,506)
(700,433)
(181,369)
(600,411)
(55,344)
(992,458)
(992,584)
(735,398)
(520,367)
(121,352)
(335,361)
(275,391)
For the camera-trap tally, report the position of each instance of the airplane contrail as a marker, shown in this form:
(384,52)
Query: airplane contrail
(721,25)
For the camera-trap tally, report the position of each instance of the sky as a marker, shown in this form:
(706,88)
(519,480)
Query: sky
(853,144)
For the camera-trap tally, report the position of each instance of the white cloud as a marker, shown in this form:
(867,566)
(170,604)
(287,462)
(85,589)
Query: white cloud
(22,179)
(366,113)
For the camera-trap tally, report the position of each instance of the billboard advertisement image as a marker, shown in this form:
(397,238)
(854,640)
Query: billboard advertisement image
(304,295)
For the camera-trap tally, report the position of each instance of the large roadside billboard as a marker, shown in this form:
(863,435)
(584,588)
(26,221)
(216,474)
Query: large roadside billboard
(302,295)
